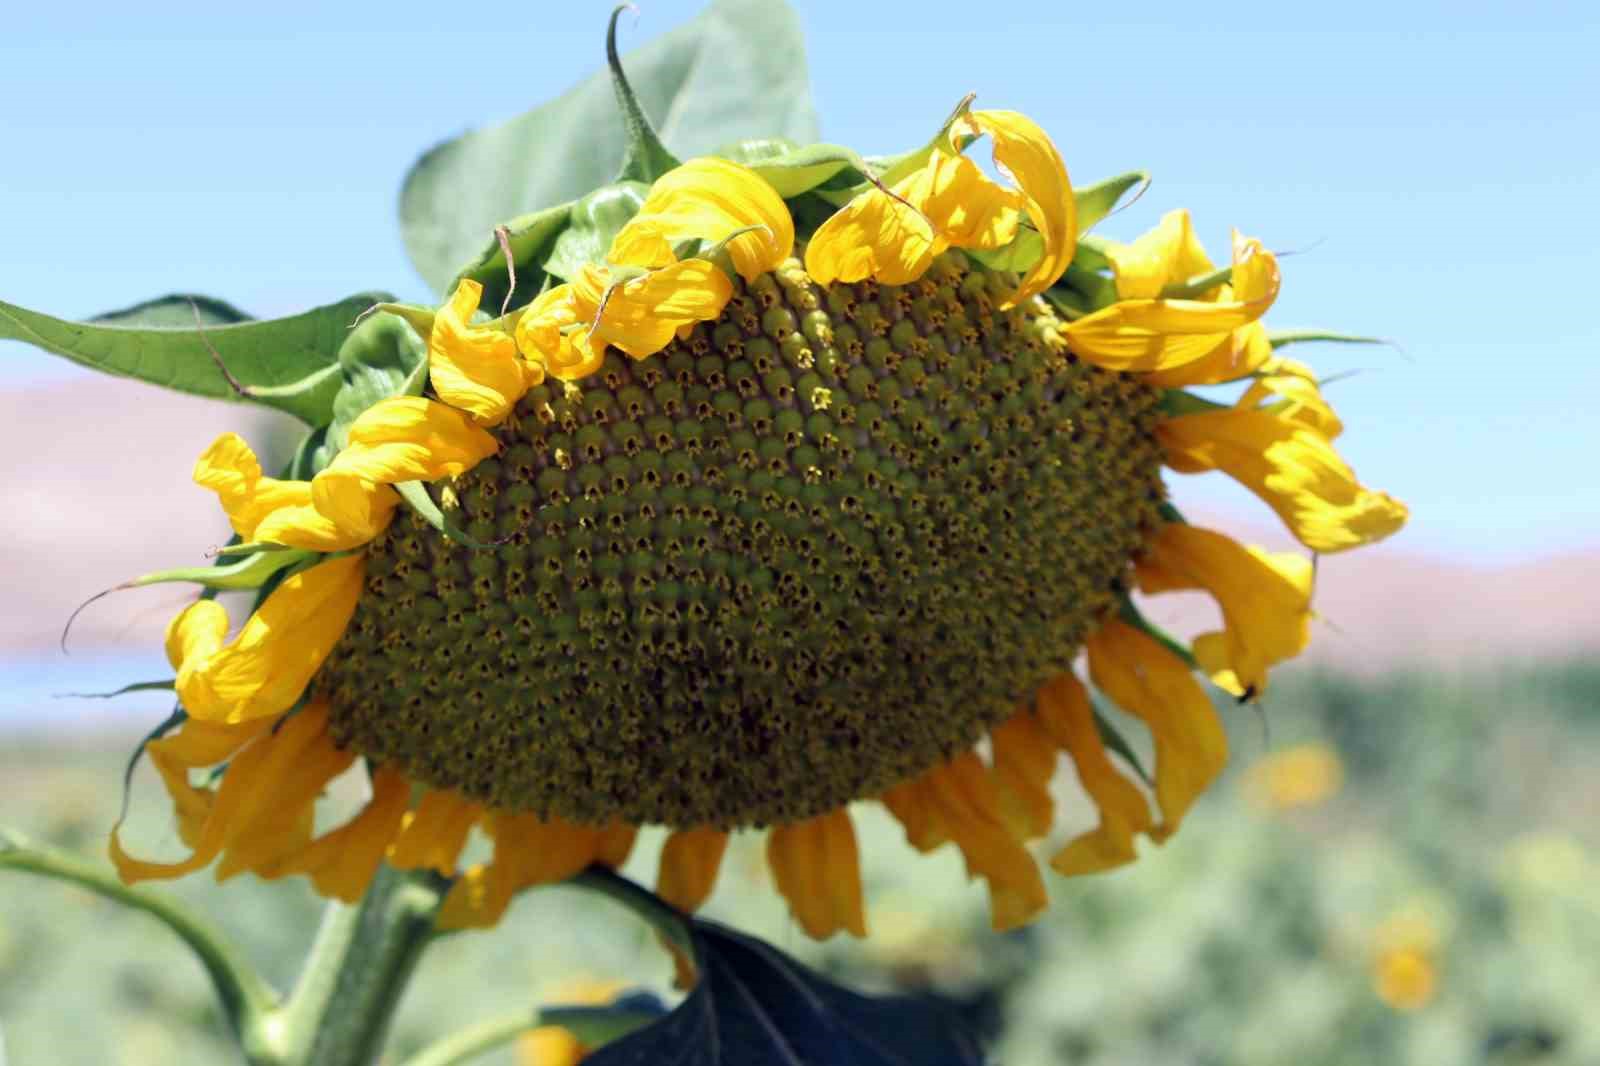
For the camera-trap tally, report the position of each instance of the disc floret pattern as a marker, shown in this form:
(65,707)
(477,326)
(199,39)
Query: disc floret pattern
(806,552)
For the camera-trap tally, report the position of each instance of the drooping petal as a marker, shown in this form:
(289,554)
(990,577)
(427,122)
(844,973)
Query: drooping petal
(1154,334)
(690,860)
(1238,355)
(342,861)
(433,835)
(1024,761)
(643,315)
(263,671)
(965,208)
(956,801)
(816,865)
(261,813)
(527,851)
(1065,712)
(707,199)
(281,512)
(552,333)
(1152,684)
(1295,470)
(1026,153)
(1289,390)
(1265,598)
(403,438)
(1168,254)
(474,368)
(876,235)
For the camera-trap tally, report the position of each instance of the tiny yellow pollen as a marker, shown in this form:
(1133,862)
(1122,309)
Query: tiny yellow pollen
(821,398)
(563,459)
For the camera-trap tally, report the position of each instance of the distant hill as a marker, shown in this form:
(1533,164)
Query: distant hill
(99,492)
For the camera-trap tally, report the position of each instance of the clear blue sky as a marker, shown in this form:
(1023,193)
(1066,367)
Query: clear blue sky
(1443,154)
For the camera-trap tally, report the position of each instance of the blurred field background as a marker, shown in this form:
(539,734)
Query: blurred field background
(1403,864)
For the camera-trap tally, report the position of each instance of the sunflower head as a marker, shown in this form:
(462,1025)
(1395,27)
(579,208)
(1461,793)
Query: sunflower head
(745,488)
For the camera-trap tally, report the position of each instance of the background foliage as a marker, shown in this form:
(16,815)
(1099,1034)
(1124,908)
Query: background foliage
(1248,939)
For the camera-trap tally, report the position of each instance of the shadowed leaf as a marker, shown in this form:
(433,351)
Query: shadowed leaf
(754,1006)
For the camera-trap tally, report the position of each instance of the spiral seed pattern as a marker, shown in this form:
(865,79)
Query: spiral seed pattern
(808,551)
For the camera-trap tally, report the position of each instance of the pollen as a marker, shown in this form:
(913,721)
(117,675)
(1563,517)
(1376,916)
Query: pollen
(804,553)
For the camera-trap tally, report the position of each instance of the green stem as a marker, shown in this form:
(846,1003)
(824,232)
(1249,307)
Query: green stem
(358,968)
(461,1046)
(660,916)
(247,1000)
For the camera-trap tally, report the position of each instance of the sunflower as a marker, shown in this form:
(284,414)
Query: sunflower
(797,497)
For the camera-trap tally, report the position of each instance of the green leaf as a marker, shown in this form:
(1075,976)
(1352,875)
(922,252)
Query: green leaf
(738,70)
(594,221)
(529,237)
(754,1006)
(415,494)
(1097,201)
(290,364)
(1113,739)
(382,357)
(176,311)
(791,168)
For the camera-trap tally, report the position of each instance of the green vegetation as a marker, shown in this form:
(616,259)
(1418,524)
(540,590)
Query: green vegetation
(1250,938)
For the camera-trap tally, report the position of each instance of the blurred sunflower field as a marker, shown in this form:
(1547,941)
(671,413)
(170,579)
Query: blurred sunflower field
(1431,901)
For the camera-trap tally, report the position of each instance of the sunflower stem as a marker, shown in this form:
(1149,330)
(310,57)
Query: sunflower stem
(247,1000)
(646,158)
(359,965)
(463,1045)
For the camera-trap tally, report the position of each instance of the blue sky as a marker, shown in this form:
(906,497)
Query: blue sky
(1442,159)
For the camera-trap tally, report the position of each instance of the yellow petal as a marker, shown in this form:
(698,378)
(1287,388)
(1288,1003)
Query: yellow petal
(264,670)
(1066,714)
(270,834)
(1151,334)
(280,512)
(1026,153)
(816,865)
(1024,761)
(1149,682)
(471,367)
(550,333)
(1265,598)
(1294,469)
(1238,355)
(1289,389)
(527,851)
(689,864)
(262,808)
(957,801)
(965,208)
(1166,255)
(707,199)
(876,236)
(433,835)
(642,316)
(342,861)
(403,438)
(549,1045)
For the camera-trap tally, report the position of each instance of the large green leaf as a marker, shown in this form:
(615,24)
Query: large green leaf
(736,71)
(176,311)
(291,364)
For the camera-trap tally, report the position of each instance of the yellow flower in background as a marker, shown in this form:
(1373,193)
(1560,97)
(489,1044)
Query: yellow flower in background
(768,518)
(1405,964)
(552,1045)
(1303,775)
